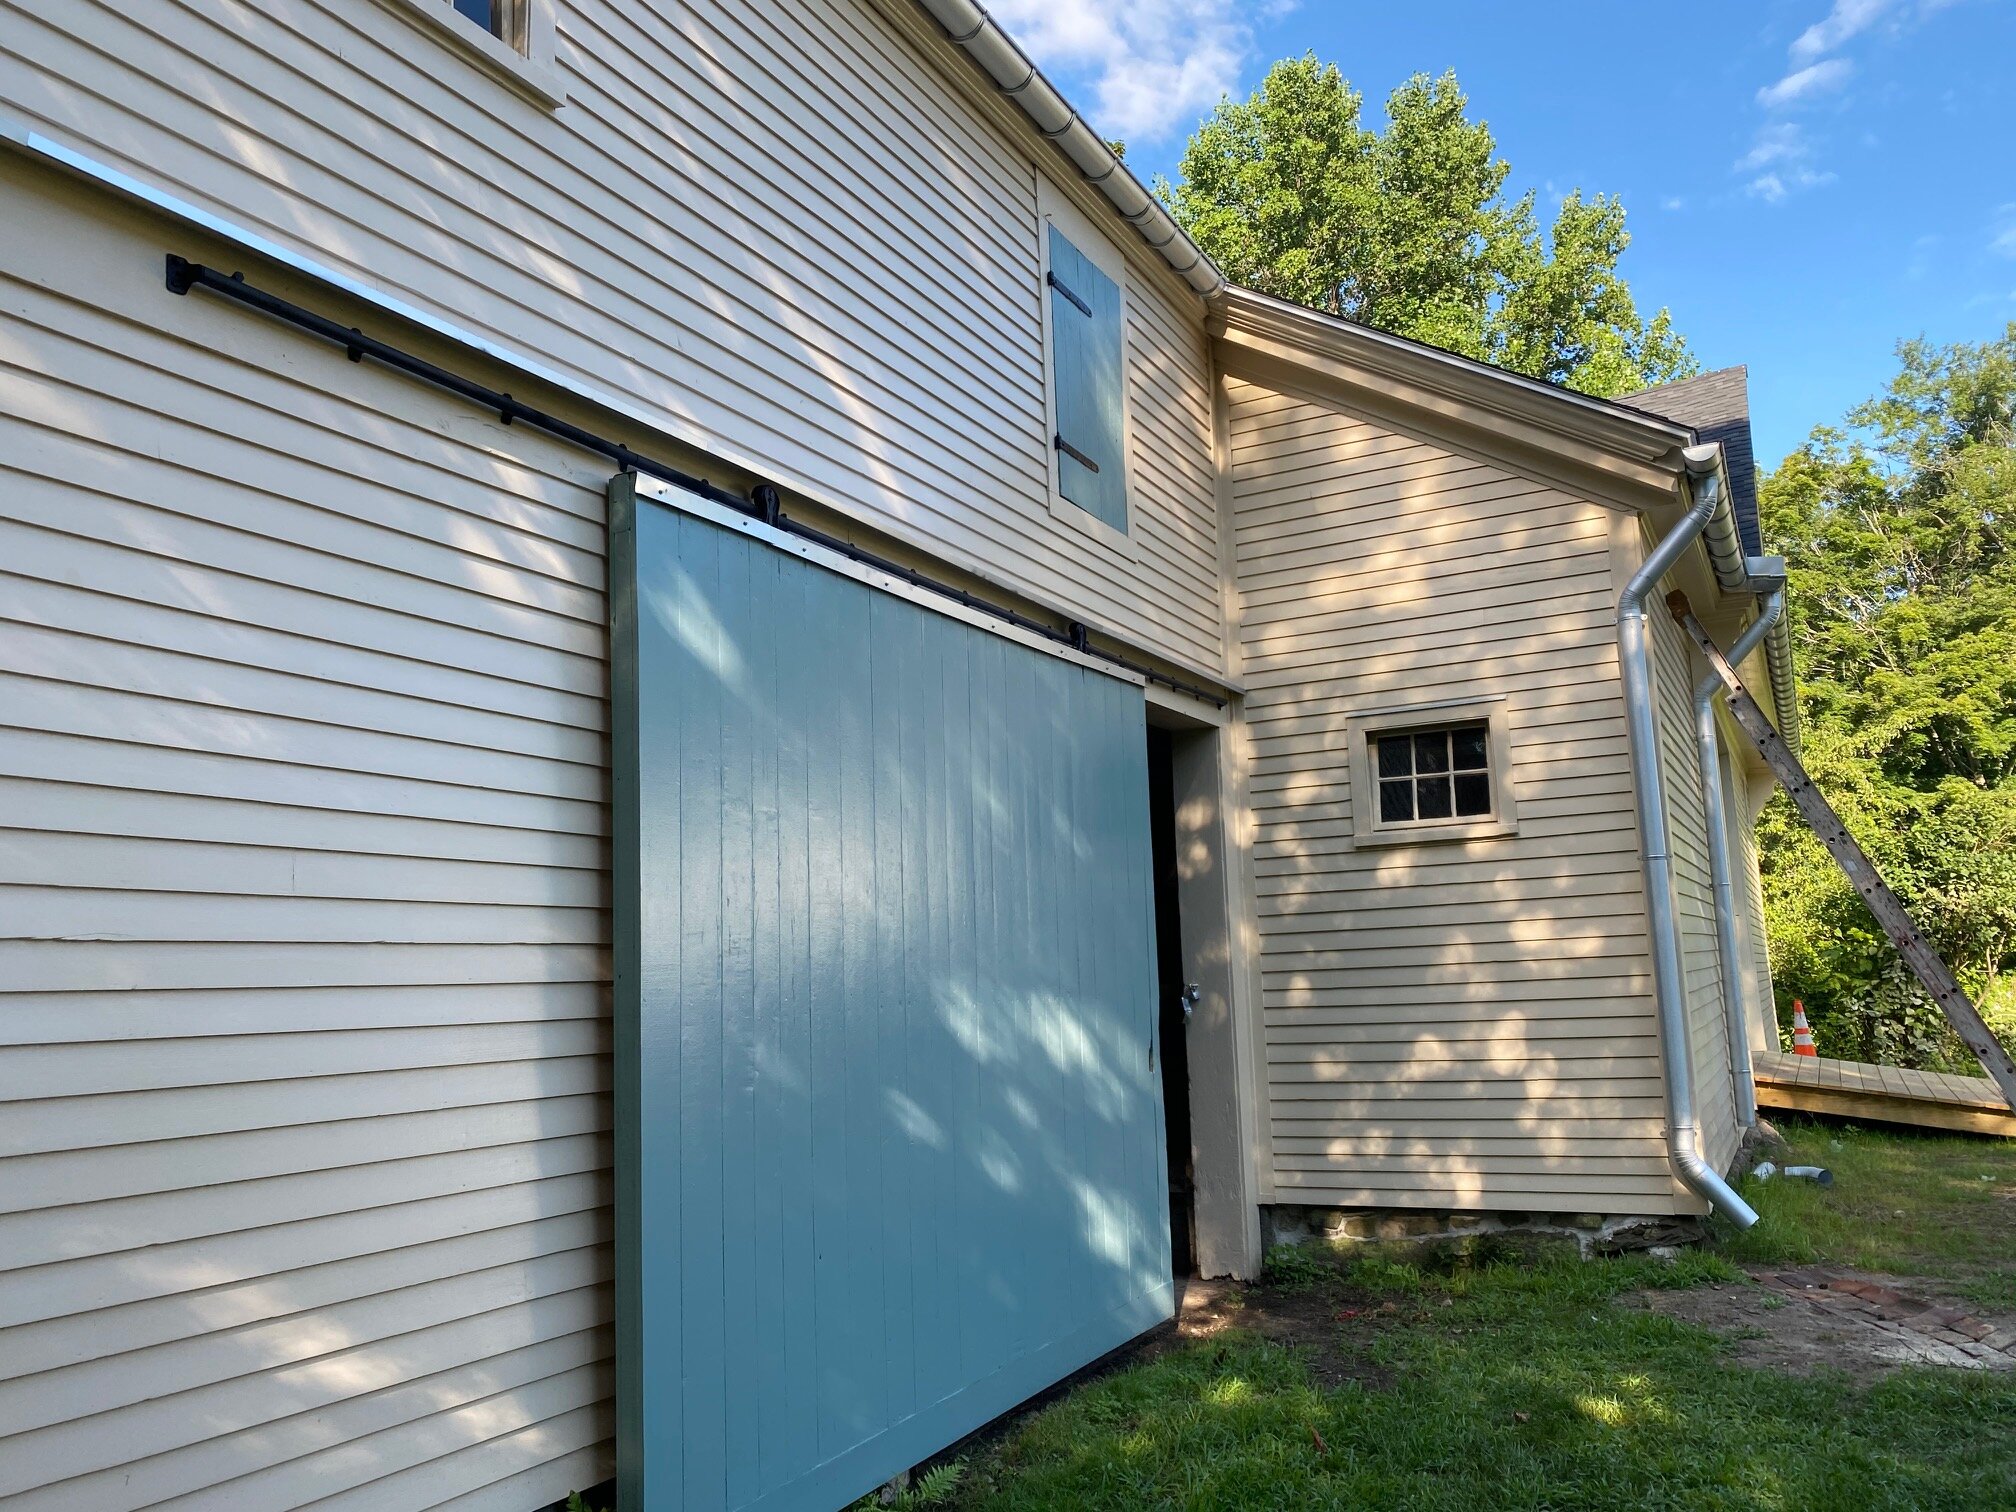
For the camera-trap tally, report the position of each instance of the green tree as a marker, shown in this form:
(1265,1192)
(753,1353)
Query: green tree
(1409,230)
(1899,534)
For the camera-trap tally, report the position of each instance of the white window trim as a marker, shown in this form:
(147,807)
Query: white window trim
(525,64)
(1361,725)
(1052,206)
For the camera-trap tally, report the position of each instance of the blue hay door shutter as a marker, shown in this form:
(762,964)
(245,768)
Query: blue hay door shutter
(1087,371)
(889,1132)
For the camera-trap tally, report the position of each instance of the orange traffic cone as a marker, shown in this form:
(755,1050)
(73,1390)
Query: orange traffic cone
(1802,1032)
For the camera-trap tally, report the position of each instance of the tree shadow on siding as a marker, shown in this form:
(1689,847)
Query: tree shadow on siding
(1465,1024)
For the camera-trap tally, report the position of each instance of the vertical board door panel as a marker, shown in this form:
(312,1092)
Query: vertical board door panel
(890,1153)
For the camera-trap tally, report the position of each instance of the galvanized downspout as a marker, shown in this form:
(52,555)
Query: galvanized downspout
(1735,979)
(1668,983)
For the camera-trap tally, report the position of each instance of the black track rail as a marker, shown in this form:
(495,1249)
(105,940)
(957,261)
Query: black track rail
(761,502)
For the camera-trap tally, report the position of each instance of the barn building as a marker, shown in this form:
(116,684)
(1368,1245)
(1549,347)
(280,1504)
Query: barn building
(704,756)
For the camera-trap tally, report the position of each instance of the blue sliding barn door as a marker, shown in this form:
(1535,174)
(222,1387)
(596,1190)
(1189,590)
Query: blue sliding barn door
(889,1128)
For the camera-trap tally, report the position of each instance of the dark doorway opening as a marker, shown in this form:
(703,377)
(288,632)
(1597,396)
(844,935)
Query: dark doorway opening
(1171,988)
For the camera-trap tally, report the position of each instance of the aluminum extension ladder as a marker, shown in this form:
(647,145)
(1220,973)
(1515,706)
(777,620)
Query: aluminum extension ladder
(1854,862)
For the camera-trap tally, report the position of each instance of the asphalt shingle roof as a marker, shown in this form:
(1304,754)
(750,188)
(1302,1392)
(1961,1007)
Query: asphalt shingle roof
(1717,406)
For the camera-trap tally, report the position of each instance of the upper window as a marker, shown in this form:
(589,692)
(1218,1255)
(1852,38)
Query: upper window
(511,40)
(488,14)
(1434,774)
(1087,374)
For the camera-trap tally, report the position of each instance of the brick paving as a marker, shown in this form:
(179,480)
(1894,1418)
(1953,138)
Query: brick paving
(1913,1331)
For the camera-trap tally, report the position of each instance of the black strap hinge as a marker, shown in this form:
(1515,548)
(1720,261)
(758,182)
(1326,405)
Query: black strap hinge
(1068,292)
(1073,453)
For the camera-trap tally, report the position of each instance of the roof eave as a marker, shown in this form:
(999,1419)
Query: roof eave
(1662,454)
(969,28)
(1635,448)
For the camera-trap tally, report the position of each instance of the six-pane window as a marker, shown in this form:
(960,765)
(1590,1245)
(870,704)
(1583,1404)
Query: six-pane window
(1434,774)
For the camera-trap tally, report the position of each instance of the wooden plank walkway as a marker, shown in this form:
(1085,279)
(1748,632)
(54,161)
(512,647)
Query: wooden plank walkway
(1887,1094)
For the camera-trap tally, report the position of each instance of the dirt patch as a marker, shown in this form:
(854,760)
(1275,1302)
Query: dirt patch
(1330,1327)
(1812,1319)
(1767,1333)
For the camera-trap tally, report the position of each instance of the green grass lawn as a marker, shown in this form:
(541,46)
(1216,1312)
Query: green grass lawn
(1535,1387)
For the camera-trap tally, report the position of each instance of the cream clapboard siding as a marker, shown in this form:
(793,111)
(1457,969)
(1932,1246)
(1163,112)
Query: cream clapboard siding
(1750,883)
(1465,1024)
(1674,675)
(303,890)
(782,225)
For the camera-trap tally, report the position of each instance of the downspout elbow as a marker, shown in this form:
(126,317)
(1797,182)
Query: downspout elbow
(1668,980)
(1720,1195)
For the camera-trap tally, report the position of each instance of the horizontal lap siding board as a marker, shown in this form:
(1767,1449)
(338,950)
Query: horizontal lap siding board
(304,1115)
(1750,882)
(1674,673)
(790,284)
(1458,1025)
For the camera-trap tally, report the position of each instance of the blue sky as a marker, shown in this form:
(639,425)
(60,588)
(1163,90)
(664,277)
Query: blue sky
(1807,180)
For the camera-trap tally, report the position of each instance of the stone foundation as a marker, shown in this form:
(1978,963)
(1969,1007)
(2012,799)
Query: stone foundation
(1480,1234)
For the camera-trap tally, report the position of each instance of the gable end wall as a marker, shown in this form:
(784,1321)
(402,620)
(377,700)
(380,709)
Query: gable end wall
(1458,1025)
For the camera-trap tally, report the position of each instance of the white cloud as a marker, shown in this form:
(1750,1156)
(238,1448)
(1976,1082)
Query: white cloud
(1815,78)
(1922,248)
(1673,202)
(1774,186)
(1779,142)
(1848,19)
(1151,66)
(2005,240)
(1782,148)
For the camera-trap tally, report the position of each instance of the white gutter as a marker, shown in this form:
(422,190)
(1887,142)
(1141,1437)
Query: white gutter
(1738,574)
(977,34)
(1735,979)
(1720,535)
(1784,692)
(1704,467)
